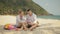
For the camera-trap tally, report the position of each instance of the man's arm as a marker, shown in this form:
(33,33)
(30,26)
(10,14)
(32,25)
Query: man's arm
(35,17)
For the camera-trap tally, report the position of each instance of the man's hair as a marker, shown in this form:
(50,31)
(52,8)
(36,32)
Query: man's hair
(28,10)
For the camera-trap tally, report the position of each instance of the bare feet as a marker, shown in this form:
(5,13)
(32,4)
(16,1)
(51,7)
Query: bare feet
(25,29)
(31,29)
(17,29)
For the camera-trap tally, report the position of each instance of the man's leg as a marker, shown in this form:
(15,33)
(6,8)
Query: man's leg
(33,26)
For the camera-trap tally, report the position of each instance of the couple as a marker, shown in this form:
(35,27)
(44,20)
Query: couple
(26,22)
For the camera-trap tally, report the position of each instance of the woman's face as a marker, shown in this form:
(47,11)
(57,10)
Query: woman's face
(22,14)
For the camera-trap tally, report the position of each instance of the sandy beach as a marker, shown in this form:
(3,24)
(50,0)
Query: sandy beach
(6,19)
(44,23)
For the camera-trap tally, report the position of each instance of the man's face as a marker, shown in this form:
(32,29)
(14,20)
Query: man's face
(30,12)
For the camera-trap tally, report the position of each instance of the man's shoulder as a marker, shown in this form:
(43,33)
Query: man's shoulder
(34,14)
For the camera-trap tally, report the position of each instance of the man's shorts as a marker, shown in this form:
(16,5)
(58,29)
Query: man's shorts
(28,26)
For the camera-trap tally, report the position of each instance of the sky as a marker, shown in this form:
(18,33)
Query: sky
(52,6)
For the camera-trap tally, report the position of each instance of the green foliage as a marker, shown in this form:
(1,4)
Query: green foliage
(11,7)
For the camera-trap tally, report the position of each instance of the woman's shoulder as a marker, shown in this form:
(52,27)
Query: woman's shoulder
(17,16)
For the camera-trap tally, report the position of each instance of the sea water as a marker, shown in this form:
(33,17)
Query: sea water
(50,17)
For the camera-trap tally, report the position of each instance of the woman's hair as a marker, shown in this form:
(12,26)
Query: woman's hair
(20,11)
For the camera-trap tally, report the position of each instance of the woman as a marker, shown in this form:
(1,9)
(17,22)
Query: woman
(21,21)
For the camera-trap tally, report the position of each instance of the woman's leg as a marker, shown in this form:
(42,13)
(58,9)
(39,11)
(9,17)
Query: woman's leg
(19,26)
(25,26)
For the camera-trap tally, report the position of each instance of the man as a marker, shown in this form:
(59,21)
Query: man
(31,20)
(21,21)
